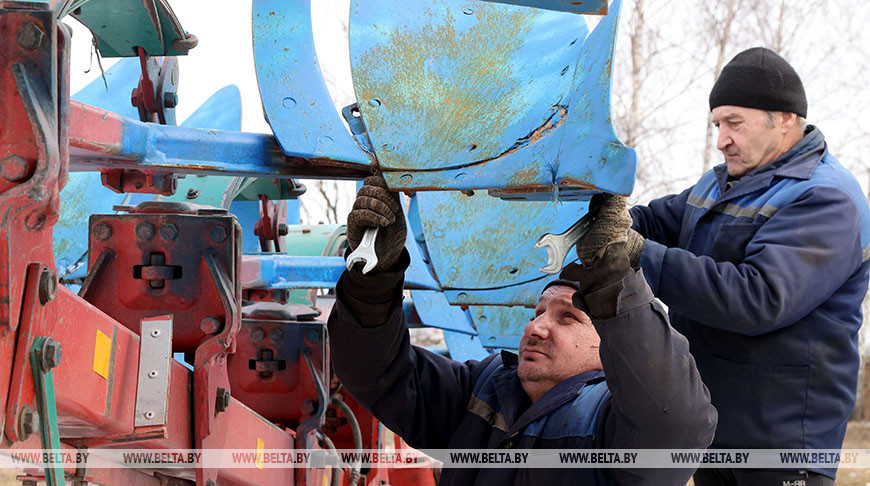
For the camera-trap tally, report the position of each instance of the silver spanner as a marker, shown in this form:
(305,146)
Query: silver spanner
(559,245)
(365,251)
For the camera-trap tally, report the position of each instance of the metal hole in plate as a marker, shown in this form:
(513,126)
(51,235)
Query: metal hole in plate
(149,415)
(288,102)
(481,318)
(468,11)
(152,374)
(513,270)
(155,333)
(374,102)
(406,179)
(565,70)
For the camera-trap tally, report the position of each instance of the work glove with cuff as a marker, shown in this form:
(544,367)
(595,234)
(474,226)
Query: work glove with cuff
(613,224)
(600,281)
(376,206)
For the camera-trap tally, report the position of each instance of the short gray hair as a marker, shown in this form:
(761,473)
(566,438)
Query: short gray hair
(801,121)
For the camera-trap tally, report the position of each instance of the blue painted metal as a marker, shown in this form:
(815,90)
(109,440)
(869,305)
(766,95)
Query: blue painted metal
(500,85)
(596,7)
(478,243)
(464,347)
(295,99)
(184,150)
(281,271)
(434,311)
(500,327)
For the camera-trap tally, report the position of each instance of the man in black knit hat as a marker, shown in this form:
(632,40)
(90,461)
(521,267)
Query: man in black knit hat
(763,264)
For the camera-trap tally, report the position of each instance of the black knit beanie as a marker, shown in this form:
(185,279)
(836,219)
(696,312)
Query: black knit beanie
(760,78)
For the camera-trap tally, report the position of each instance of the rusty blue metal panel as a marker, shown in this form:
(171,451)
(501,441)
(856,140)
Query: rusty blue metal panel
(488,96)
(295,99)
(434,311)
(481,242)
(463,347)
(500,327)
(594,7)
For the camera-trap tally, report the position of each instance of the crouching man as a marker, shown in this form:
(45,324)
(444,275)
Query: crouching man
(599,366)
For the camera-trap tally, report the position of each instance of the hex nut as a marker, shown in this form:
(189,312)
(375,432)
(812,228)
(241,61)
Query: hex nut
(192,193)
(14,168)
(168,231)
(257,334)
(28,422)
(51,354)
(145,231)
(222,399)
(102,231)
(47,285)
(170,100)
(217,233)
(210,325)
(29,36)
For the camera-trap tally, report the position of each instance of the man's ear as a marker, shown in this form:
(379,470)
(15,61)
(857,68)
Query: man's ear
(789,120)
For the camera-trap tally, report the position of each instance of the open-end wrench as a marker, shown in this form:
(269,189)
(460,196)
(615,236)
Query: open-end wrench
(559,245)
(365,251)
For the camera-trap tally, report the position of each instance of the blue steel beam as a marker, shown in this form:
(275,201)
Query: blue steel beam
(295,99)
(592,7)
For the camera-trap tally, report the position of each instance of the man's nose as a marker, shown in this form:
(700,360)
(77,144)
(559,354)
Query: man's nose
(539,327)
(724,139)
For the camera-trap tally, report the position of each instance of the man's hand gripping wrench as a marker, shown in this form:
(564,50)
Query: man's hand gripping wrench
(559,245)
(365,251)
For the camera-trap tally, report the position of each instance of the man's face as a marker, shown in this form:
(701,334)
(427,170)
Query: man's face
(558,343)
(748,138)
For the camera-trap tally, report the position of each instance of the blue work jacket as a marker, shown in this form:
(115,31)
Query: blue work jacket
(765,277)
(653,396)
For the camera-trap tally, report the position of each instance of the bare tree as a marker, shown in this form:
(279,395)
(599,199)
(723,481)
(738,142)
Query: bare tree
(719,20)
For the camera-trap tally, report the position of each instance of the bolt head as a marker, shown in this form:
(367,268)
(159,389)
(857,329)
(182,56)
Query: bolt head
(168,231)
(210,325)
(102,231)
(51,354)
(29,36)
(170,100)
(145,231)
(217,233)
(222,399)
(28,422)
(192,193)
(14,168)
(282,229)
(276,335)
(257,334)
(47,285)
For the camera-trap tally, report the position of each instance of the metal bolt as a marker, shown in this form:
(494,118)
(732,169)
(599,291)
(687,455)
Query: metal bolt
(406,179)
(468,11)
(47,285)
(170,100)
(14,168)
(217,234)
(149,415)
(374,102)
(222,401)
(210,325)
(28,422)
(168,231)
(307,407)
(145,231)
(257,334)
(276,335)
(192,193)
(462,296)
(29,36)
(282,229)
(51,354)
(152,374)
(102,231)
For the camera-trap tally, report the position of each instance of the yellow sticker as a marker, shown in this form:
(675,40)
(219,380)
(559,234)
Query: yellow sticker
(260,446)
(102,352)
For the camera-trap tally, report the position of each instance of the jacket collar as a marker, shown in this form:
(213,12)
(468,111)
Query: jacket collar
(799,162)
(517,413)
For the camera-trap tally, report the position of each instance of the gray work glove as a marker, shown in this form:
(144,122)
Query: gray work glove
(612,225)
(376,206)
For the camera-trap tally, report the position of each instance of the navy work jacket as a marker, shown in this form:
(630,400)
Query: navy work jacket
(653,396)
(765,277)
